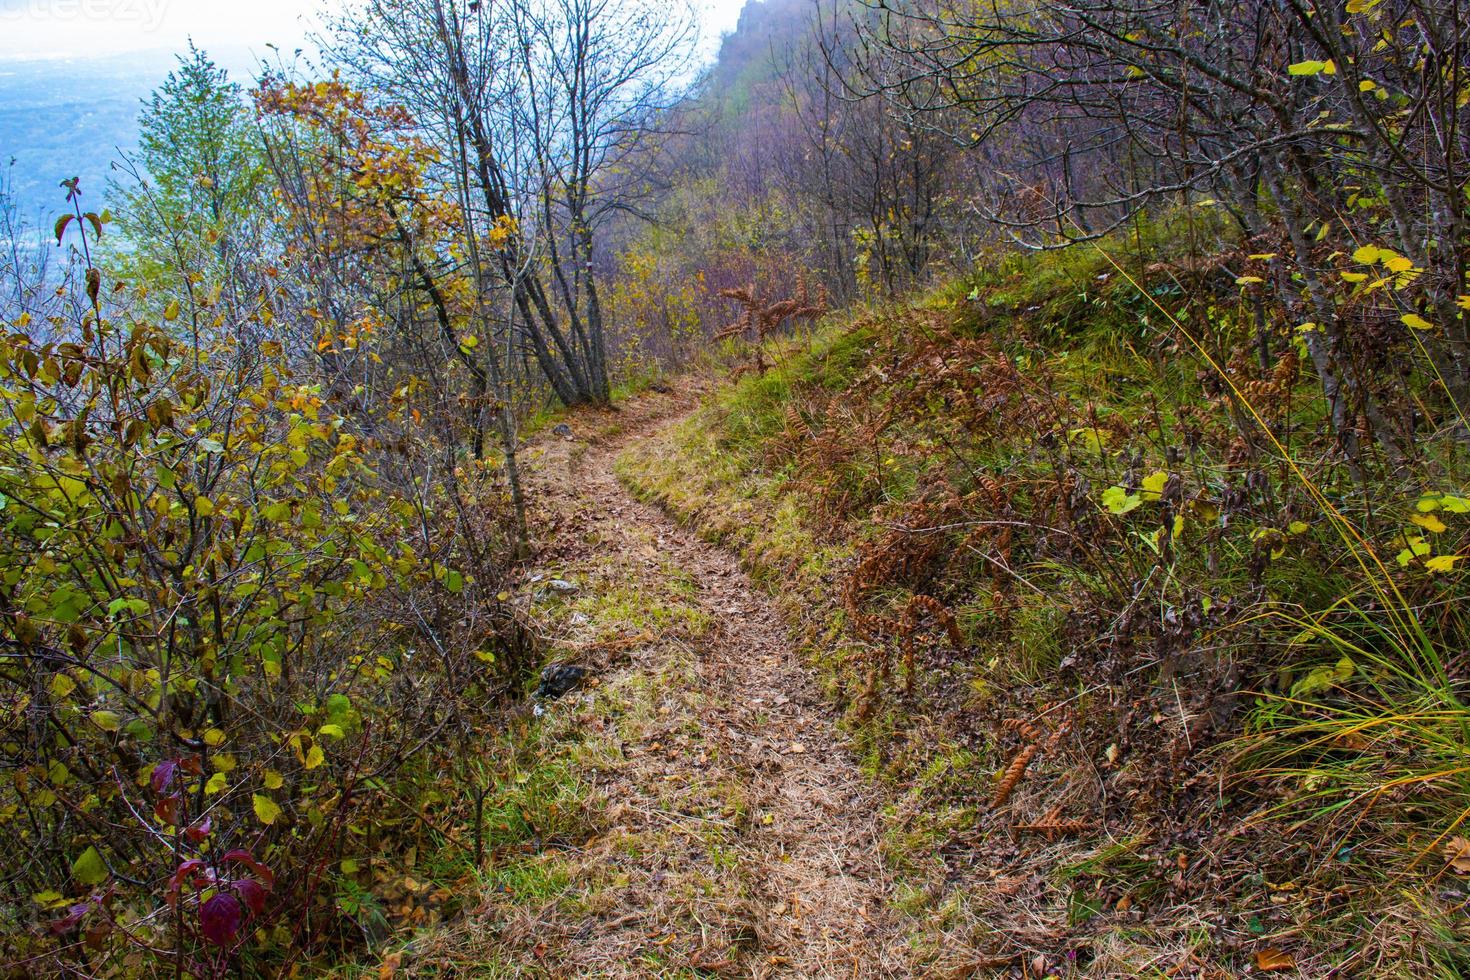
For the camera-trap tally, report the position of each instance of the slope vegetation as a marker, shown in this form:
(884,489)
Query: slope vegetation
(1153,685)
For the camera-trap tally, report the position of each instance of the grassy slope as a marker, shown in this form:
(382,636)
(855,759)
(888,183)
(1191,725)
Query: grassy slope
(961,450)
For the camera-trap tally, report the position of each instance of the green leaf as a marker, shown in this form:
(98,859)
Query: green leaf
(108,721)
(1119,501)
(454,581)
(1307,68)
(335,731)
(88,869)
(1093,439)
(266,810)
(1415,547)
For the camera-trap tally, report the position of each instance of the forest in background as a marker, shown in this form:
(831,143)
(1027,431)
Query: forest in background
(1097,377)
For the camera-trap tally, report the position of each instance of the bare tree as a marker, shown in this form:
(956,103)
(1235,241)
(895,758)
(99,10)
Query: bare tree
(530,103)
(1326,130)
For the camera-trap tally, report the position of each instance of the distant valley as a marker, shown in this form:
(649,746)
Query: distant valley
(63,118)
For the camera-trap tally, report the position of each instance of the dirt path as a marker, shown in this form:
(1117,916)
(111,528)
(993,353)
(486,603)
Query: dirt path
(739,836)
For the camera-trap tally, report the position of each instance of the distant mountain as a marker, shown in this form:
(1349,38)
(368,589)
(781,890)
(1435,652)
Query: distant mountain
(63,118)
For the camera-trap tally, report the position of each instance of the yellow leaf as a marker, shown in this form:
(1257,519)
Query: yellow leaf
(214,737)
(216,784)
(1307,68)
(273,779)
(1416,321)
(1442,563)
(1298,527)
(1429,523)
(266,810)
(62,685)
(171,312)
(1153,485)
(203,506)
(314,757)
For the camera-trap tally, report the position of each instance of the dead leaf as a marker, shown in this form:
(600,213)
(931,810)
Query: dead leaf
(1457,851)
(1272,960)
(389,966)
(796,748)
(710,962)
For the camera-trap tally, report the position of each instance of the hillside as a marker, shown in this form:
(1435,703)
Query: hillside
(950,490)
(1103,656)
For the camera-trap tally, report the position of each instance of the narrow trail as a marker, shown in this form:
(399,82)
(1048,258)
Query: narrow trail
(726,751)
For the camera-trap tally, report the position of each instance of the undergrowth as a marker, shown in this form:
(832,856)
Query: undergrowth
(1158,680)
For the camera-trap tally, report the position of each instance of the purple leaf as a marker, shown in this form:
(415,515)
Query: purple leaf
(220,918)
(253,894)
(71,920)
(163,774)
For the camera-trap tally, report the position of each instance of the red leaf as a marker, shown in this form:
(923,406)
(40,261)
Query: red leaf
(167,810)
(220,918)
(163,774)
(266,875)
(200,830)
(184,871)
(253,893)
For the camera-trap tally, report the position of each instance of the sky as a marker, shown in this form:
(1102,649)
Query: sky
(31,29)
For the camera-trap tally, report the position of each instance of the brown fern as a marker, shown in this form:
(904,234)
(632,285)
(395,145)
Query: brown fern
(1015,772)
(1051,825)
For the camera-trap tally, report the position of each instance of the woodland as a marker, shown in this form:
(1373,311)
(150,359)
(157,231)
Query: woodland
(952,489)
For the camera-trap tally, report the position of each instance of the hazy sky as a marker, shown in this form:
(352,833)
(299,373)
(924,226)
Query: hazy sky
(76,28)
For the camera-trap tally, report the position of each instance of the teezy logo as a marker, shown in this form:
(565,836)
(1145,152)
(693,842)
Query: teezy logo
(147,14)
